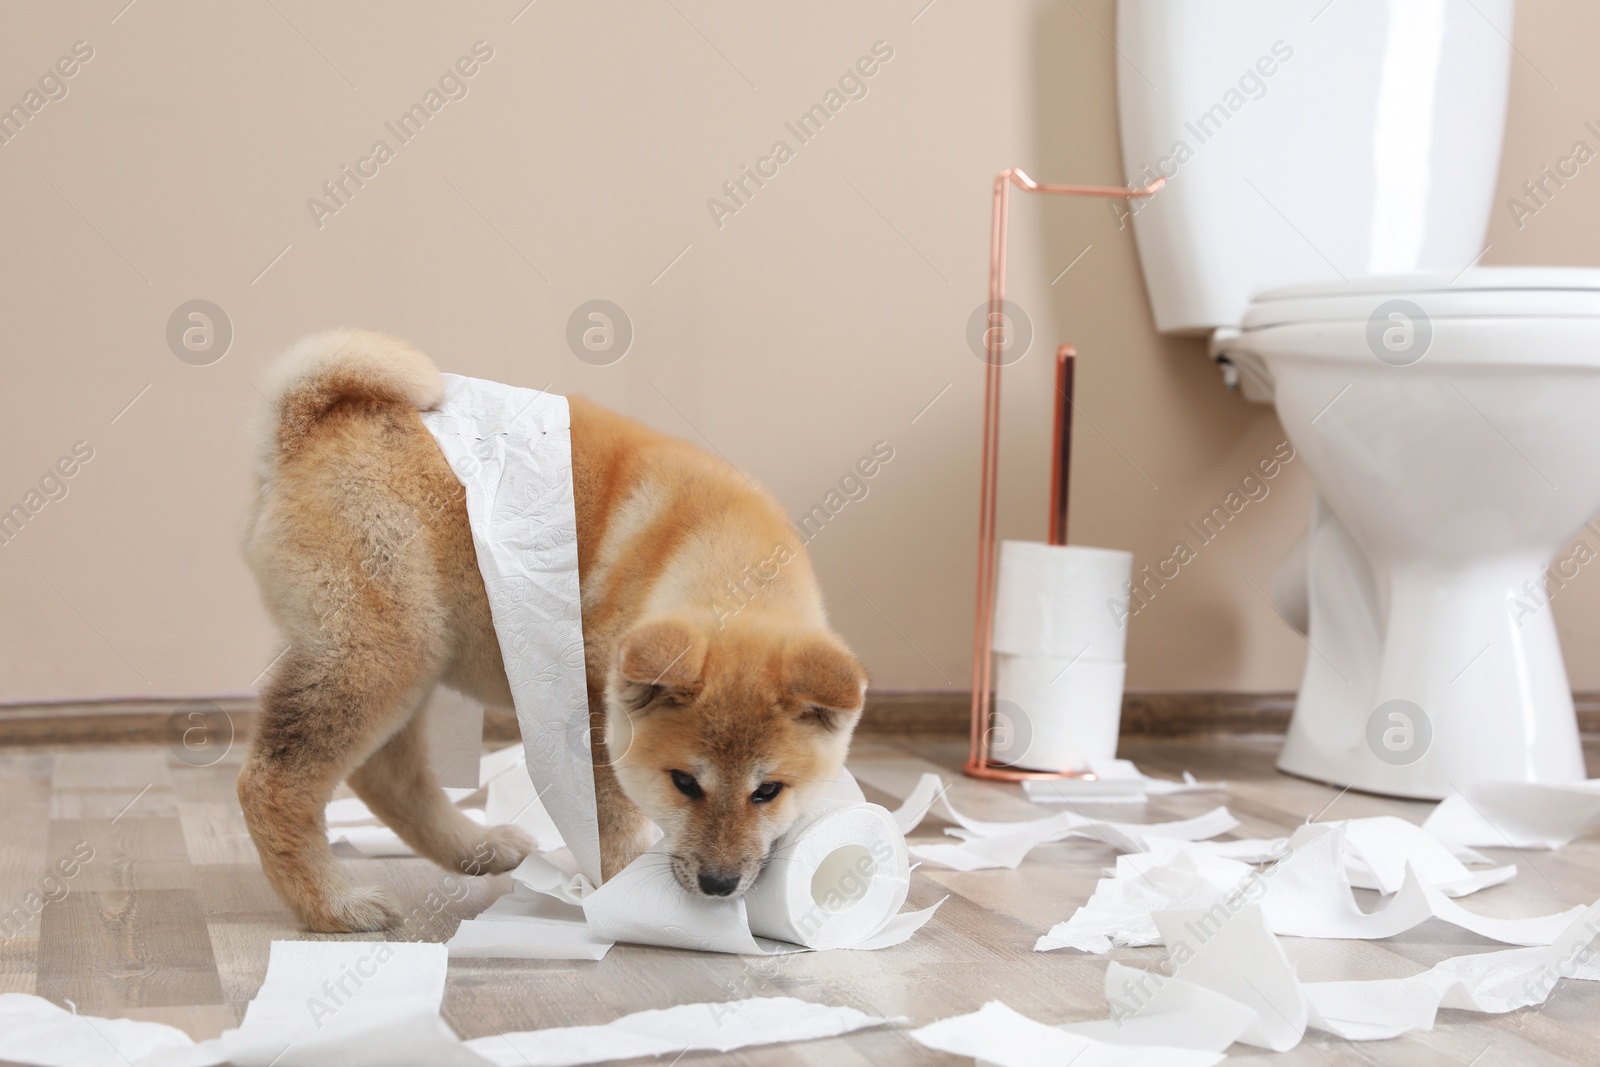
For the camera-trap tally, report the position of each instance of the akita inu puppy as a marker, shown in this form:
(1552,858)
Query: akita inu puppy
(360,542)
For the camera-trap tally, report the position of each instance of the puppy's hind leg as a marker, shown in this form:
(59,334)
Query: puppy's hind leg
(321,717)
(400,788)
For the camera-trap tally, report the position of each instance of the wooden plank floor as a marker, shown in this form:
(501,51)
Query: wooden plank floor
(170,920)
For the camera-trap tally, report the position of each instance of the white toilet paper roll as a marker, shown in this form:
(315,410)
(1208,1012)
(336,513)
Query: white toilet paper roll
(833,881)
(1052,713)
(1055,600)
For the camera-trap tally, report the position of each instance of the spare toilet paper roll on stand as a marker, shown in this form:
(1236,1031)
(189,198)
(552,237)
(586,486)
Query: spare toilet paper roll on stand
(1051,713)
(1059,654)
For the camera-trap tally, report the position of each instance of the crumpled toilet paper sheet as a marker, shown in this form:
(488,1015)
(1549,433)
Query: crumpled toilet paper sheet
(1232,982)
(675,1031)
(990,845)
(1307,893)
(35,1031)
(505,794)
(376,1004)
(1242,960)
(995,1034)
(1517,814)
(1115,781)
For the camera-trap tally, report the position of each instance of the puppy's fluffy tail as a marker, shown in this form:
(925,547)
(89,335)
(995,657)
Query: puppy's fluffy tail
(340,366)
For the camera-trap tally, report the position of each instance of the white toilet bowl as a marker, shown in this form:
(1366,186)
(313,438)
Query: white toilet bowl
(1450,421)
(1452,429)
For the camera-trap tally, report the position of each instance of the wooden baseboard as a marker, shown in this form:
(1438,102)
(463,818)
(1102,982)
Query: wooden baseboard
(1148,714)
(142,722)
(182,723)
(1178,714)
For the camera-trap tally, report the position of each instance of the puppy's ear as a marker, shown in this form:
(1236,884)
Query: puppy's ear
(661,657)
(830,684)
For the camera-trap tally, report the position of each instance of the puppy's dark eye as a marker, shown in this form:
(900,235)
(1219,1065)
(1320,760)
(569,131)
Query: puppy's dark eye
(687,785)
(766,792)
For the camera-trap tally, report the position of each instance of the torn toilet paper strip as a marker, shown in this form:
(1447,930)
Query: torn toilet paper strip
(338,1004)
(1119,910)
(1243,961)
(513,798)
(493,764)
(988,845)
(930,791)
(377,842)
(983,850)
(308,982)
(1517,814)
(347,1003)
(510,798)
(1307,893)
(350,811)
(512,450)
(1148,1008)
(1492,982)
(528,925)
(398,1031)
(1377,851)
(1115,781)
(995,1034)
(675,1031)
(353,811)
(366,1004)
(1233,983)
(35,1031)
(1379,848)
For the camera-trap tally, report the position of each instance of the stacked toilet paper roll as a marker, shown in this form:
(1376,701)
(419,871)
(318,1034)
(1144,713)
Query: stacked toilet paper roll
(1059,644)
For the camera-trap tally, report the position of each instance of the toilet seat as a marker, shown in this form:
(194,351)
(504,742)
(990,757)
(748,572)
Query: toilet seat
(1490,316)
(1480,292)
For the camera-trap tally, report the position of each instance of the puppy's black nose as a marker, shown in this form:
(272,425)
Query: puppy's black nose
(718,885)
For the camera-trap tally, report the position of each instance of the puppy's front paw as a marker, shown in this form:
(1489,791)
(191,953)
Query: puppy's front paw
(358,911)
(502,848)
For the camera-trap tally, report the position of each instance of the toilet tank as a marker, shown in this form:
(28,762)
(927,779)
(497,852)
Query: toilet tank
(1306,141)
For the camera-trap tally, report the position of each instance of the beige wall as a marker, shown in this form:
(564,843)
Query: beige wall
(821,318)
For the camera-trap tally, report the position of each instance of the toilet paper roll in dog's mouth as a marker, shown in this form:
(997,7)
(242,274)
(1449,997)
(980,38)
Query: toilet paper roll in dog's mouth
(836,880)
(833,881)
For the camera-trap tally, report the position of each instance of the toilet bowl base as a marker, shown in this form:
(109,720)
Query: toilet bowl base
(1446,690)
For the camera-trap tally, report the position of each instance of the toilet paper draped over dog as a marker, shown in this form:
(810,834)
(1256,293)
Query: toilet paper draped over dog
(512,450)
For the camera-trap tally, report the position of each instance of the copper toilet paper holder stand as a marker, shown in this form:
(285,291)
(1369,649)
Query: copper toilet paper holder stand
(978,764)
